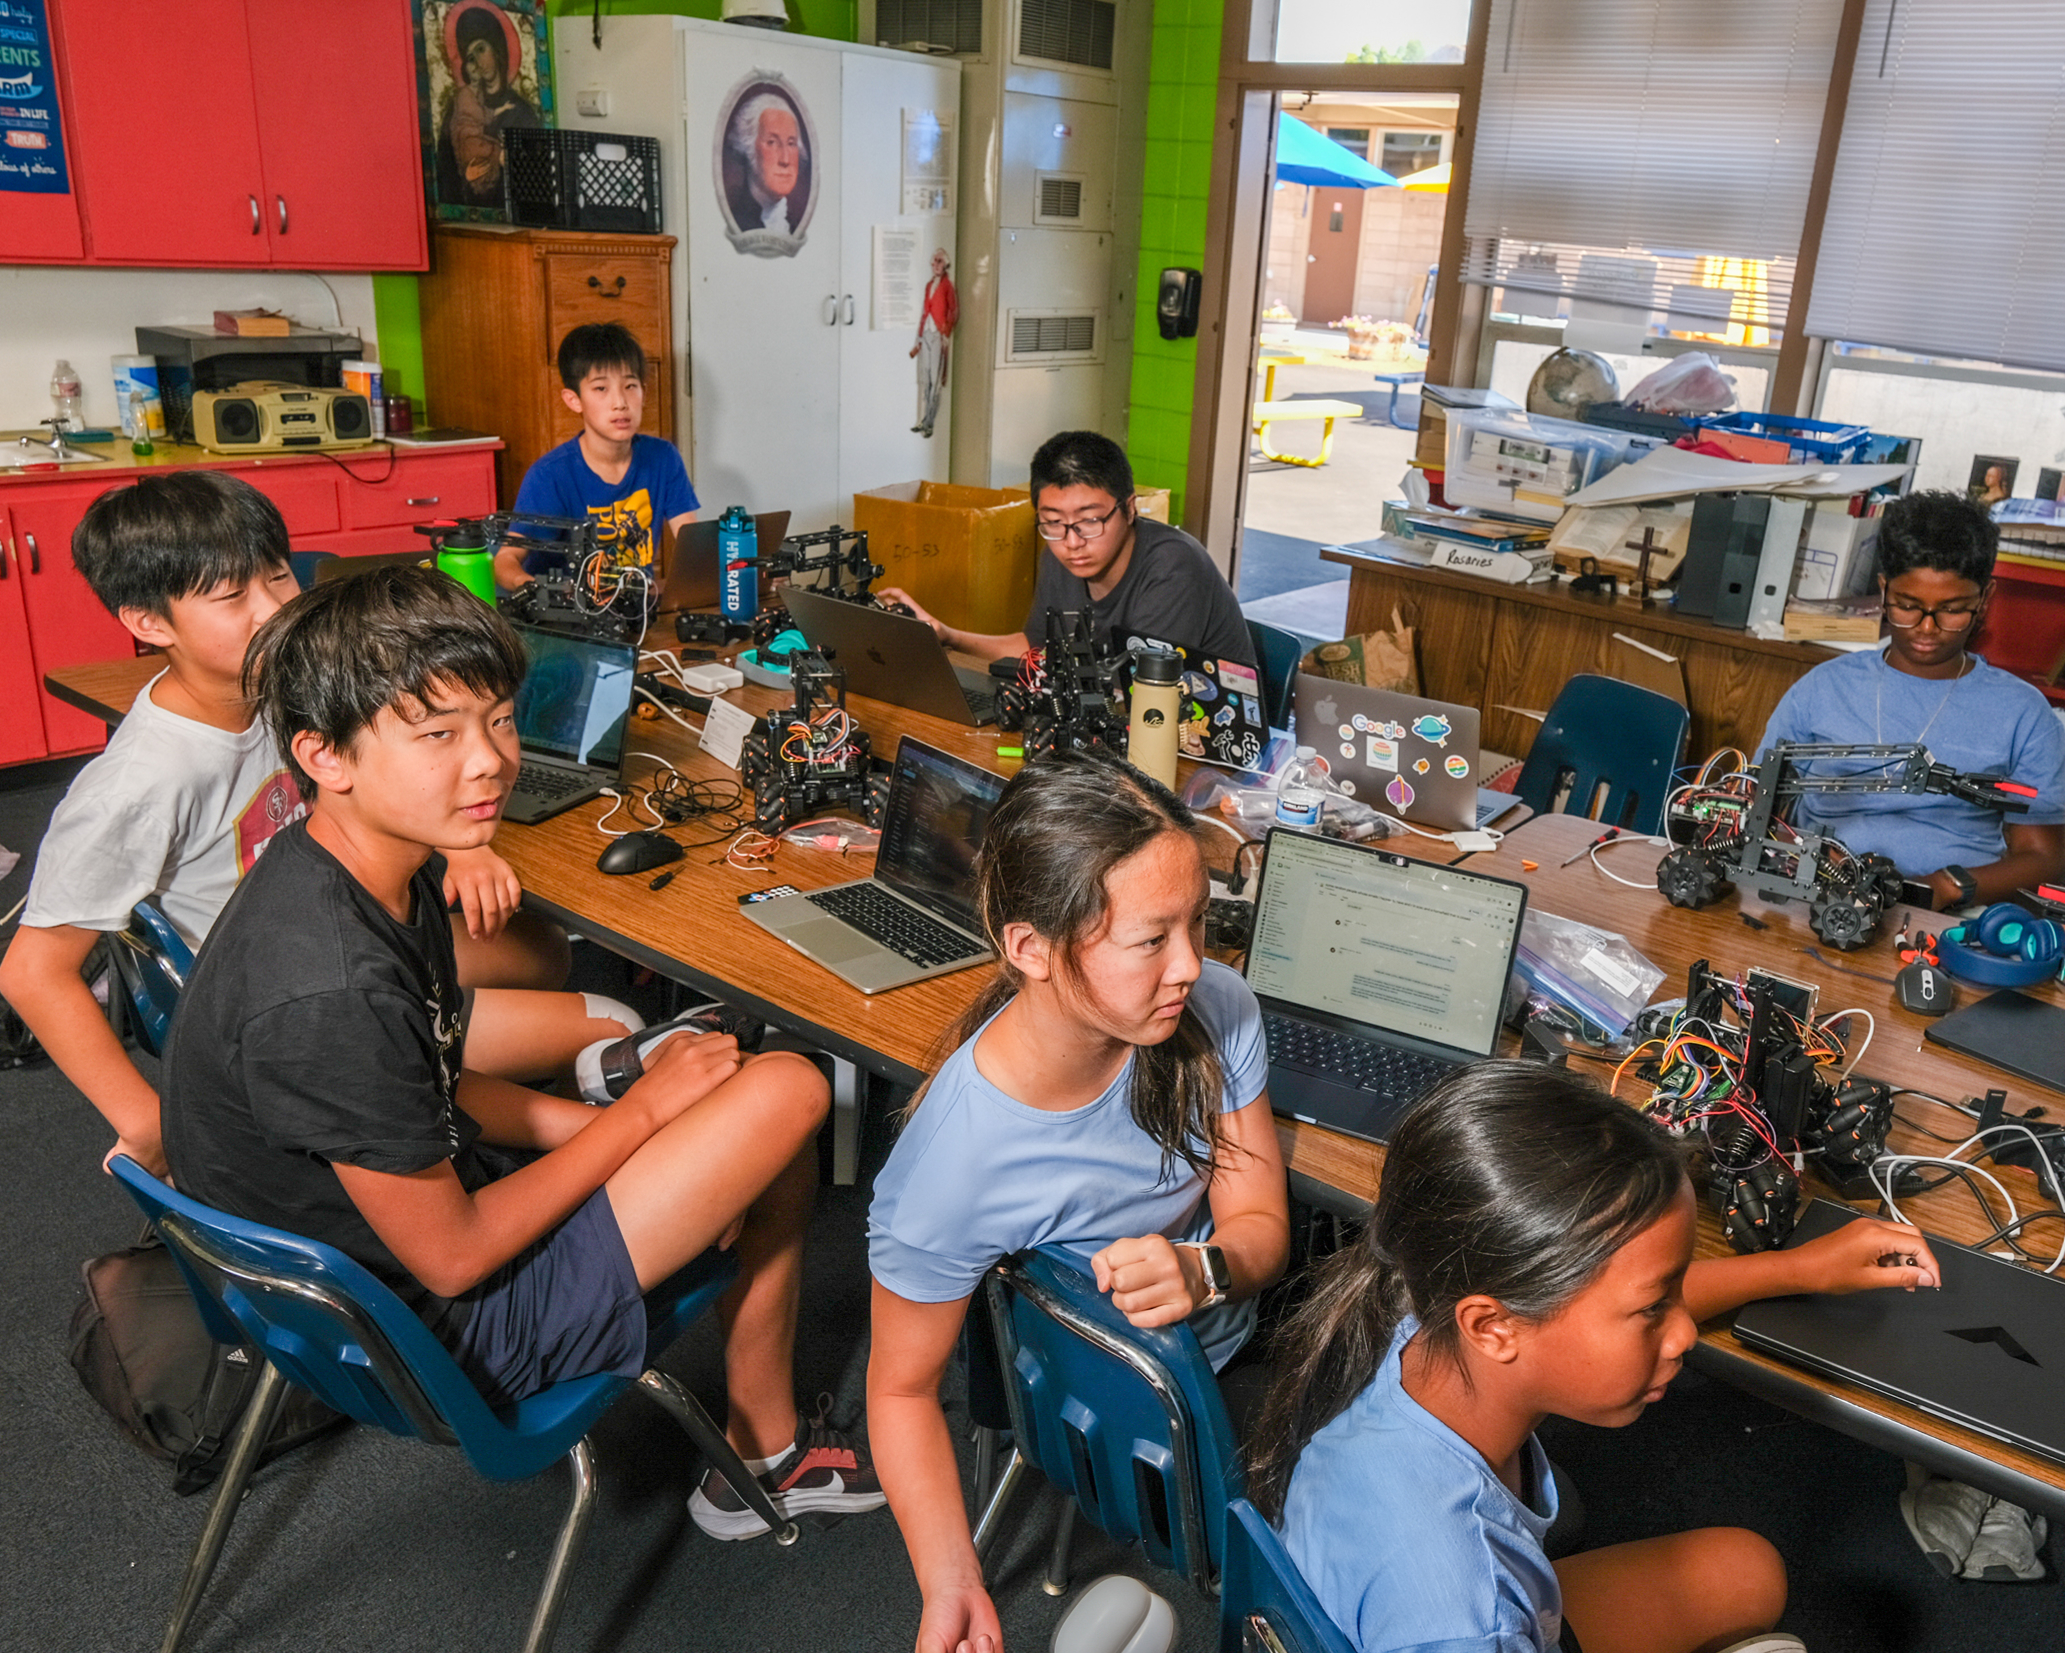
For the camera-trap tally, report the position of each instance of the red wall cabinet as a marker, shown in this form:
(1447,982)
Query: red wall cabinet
(243,132)
(354,505)
(21,729)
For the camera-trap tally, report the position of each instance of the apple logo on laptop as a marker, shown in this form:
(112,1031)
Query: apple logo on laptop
(875,655)
(1327,710)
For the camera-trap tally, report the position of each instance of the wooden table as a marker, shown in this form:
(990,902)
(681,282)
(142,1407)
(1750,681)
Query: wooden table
(691,931)
(1498,647)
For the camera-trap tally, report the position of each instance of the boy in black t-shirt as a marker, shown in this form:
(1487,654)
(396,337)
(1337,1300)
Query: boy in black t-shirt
(314,1079)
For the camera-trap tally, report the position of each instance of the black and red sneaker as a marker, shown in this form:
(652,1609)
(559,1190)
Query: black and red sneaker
(827,1473)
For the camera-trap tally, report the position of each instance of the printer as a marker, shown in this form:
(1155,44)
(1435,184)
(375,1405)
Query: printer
(199,358)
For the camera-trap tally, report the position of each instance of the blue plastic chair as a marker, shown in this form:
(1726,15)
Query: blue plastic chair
(1277,653)
(151,962)
(1602,732)
(305,563)
(325,1323)
(1265,1605)
(1128,1424)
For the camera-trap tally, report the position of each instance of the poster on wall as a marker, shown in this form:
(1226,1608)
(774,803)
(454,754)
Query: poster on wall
(928,162)
(762,153)
(938,312)
(481,68)
(32,145)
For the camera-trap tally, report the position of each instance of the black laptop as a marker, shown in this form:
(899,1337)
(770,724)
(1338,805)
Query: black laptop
(1987,1351)
(570,717)
(1378,976)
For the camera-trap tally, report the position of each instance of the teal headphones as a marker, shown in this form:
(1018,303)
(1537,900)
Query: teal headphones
(2004,947)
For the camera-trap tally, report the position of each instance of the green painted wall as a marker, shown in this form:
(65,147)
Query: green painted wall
(398,325)
(1183,83)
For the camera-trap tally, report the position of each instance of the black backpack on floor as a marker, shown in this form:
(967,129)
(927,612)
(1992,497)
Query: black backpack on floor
(138,1345)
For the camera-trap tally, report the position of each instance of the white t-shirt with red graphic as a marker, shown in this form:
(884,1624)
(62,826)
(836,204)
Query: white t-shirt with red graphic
(173,812)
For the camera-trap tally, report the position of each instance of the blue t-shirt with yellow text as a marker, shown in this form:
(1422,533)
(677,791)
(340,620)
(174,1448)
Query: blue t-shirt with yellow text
(655,491)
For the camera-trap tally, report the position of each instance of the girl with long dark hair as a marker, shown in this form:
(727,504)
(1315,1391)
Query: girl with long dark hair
(1106,1094)
(1530,1253)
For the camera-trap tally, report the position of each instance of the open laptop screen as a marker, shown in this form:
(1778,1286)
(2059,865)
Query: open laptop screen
(938,808)
(575,698)
(1406,946)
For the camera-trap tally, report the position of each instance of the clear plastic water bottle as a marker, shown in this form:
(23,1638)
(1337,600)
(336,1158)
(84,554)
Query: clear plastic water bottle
(68,405)
(1301,790)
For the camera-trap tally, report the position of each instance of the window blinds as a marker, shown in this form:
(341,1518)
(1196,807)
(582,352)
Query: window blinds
(1620,142)
(1945,232)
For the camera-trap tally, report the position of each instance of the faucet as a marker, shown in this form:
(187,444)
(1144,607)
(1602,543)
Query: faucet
(59,449)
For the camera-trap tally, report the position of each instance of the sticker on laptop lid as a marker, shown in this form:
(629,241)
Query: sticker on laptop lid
(1433,727)
(1457,765)
(1382,753)
(1400,793)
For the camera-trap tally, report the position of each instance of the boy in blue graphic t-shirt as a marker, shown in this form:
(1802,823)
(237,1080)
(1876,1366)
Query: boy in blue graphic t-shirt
(630,483)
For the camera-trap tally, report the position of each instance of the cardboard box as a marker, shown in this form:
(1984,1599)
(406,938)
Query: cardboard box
(1154,503)
(967,554)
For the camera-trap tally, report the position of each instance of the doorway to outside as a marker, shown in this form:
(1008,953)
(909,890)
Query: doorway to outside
(1345,297)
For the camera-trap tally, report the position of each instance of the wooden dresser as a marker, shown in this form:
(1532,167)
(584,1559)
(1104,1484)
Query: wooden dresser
(495,306)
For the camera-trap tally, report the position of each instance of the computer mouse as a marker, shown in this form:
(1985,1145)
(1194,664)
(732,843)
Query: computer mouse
(638,852)
(1116,1614)
(1926,989)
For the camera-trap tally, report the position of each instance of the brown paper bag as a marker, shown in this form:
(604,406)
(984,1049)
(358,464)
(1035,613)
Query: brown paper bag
(1376,660)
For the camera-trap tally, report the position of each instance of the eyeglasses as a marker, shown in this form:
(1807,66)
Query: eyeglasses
(1907,615)
(1086,530)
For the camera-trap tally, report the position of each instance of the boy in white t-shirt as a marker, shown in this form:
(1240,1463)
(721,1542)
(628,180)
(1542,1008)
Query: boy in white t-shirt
(191,789)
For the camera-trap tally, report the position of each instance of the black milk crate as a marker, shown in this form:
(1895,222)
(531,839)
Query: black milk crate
(557,179)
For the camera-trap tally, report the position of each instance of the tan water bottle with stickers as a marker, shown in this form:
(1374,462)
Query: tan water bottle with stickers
(1157,705)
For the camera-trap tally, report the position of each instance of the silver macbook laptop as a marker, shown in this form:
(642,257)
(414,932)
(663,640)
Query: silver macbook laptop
(1414,758)
(891,657)
(570,716)
(916,917)
(1987,1351)
(1378,976)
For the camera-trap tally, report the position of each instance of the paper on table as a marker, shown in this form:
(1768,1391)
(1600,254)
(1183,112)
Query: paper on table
(1667,473)
(725,727)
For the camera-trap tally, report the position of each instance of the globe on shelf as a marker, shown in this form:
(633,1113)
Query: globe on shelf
(1569,382)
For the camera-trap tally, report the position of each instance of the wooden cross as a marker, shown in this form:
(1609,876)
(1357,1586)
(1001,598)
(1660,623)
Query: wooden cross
(1647,547)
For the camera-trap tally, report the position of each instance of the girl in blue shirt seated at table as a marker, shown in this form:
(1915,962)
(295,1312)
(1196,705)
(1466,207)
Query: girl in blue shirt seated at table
(1107,1094)
(1530,1253)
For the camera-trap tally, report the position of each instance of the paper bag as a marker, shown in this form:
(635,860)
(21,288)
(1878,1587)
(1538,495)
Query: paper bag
(1376,660)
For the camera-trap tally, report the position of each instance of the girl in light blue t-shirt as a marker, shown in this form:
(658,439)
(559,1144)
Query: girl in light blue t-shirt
(1530,1253)
(1107,1094)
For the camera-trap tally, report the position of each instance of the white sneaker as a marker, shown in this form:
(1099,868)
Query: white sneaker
(2005,1550)
(1944,1517)
(1772,1641)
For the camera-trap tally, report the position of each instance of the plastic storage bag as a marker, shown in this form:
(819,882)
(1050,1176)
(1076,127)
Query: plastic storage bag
(1593,972)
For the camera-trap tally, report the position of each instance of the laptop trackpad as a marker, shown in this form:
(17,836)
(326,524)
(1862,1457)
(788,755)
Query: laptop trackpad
(830,941)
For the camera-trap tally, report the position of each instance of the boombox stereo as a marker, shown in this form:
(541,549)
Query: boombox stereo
(268,417)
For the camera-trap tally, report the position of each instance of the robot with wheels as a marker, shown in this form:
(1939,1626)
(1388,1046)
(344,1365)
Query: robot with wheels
(1064,698)
(1738,831)
(844,557)
(813,756)
(594,596)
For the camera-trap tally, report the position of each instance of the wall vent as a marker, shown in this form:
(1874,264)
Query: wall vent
(943,25)
(1060,199)
(1047,336)
(1067,31)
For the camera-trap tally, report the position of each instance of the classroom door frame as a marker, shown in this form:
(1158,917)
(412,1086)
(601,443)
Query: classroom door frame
(1251,88)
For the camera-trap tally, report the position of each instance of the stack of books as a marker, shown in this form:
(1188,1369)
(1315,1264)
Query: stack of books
(2031,531)
(1482,543)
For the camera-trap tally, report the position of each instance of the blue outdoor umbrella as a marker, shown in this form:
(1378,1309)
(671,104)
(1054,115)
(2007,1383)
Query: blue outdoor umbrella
(1304,156)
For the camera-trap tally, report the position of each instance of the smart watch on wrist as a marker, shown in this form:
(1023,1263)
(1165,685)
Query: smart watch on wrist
(1211,1262)
(1967,885)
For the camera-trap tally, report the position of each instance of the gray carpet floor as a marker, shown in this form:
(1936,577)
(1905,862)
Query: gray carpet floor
(361,1541)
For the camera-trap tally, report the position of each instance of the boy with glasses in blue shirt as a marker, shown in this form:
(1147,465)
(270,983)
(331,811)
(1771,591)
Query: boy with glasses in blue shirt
(1936,552)
(1138,578)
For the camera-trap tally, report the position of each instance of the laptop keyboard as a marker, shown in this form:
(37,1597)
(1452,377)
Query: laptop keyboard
(1398,1075)
(549,784)
(894,924)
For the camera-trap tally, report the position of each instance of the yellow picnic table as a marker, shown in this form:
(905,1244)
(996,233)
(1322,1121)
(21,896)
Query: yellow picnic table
(1270,361)
(1268,413)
